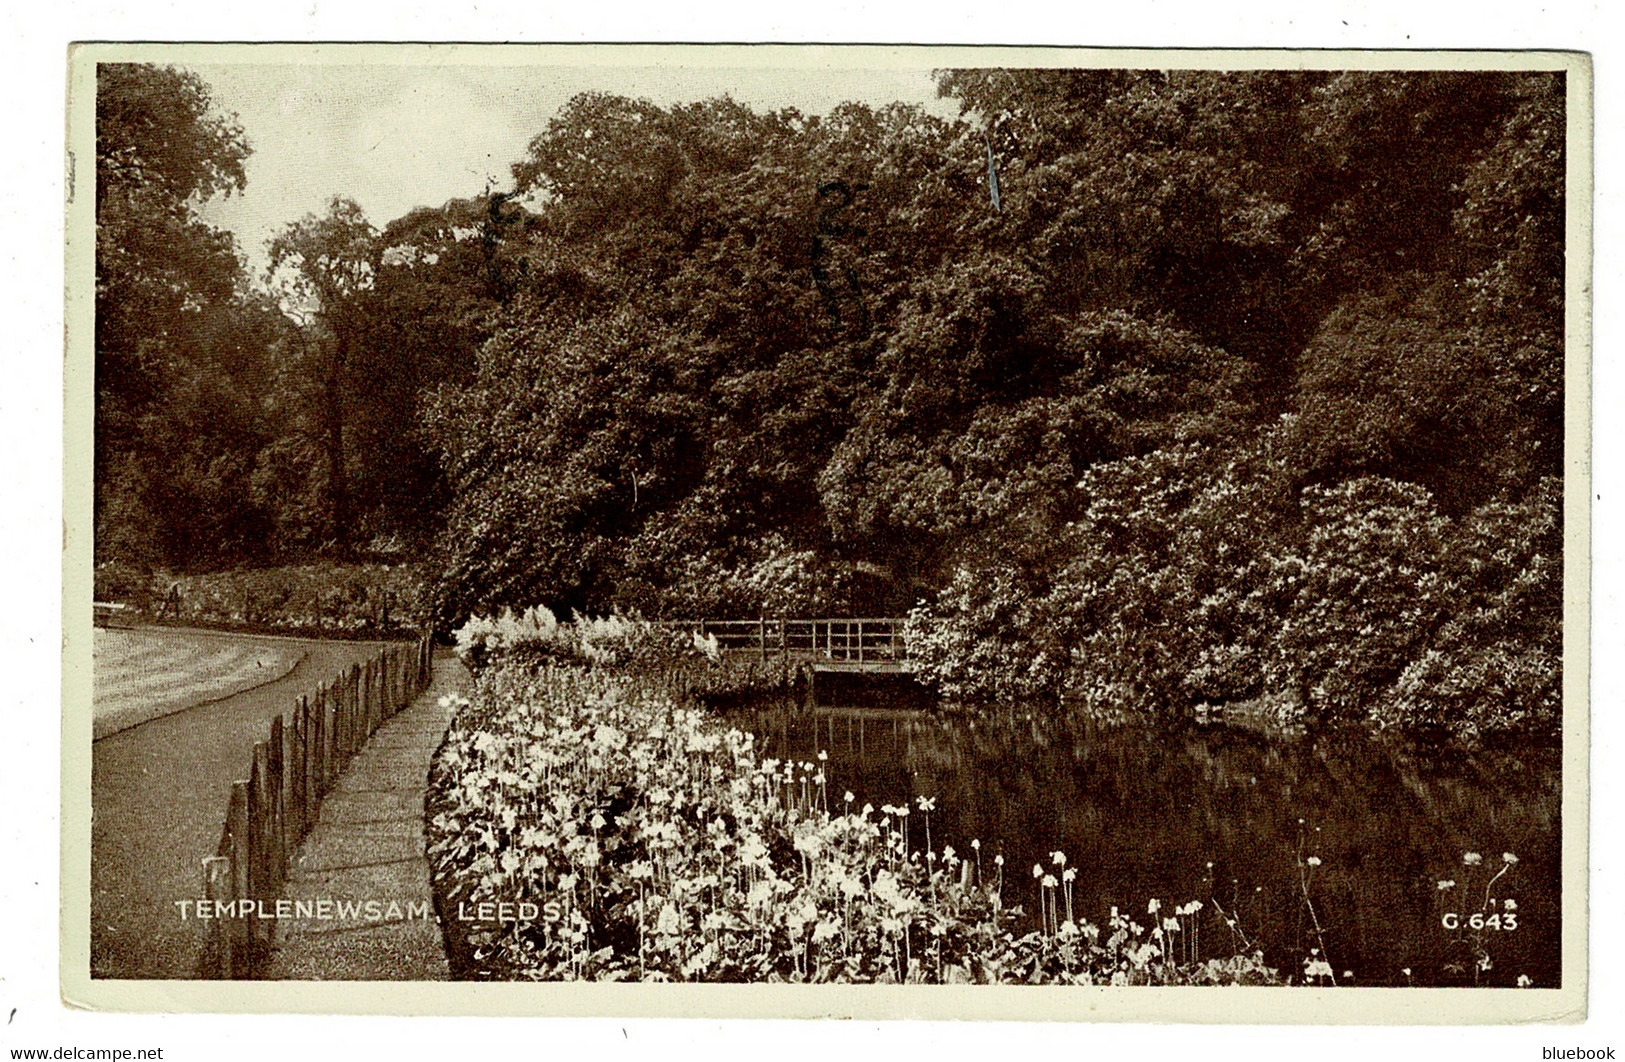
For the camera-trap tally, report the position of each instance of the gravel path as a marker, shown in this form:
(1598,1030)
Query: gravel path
(158,803)
(367,848)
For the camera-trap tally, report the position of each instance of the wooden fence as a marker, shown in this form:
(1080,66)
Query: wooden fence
(272,810)
(855,641)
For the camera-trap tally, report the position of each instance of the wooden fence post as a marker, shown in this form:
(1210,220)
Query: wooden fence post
(357,739)
(341,735)
(343,723)
(241,853)
(313,760)
(335,720)
(324,735)
(261,883)
(330,749)
(335,716)
(298,800)
(217,888)
(279,822)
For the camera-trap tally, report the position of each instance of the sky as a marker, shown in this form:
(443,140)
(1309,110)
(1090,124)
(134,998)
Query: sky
(396,137)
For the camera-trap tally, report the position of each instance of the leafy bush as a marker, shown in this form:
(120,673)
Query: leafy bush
(535,638)
(972,644)
(1496,664)
(123,581)
(1369,594)
(324,598)
(1193,577)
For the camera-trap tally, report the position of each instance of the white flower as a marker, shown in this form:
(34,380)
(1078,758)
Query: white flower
(1472,859)
(1314,861)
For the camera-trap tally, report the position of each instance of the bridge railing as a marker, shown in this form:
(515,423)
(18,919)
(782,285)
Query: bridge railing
(858,639)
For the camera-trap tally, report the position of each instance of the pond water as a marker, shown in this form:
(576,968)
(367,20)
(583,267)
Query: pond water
(1229,815)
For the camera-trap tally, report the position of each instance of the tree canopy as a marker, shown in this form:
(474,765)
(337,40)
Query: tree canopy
(1246,384)
(181,343)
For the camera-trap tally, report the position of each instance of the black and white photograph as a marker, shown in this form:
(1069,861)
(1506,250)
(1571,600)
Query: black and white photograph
(976,532)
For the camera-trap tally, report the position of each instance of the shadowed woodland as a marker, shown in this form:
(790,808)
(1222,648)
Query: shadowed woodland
(1239,385)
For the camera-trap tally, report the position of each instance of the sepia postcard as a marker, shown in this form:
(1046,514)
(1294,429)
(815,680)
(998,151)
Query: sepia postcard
(827,531)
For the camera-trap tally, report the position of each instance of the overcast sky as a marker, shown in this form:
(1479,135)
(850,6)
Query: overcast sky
(397,137)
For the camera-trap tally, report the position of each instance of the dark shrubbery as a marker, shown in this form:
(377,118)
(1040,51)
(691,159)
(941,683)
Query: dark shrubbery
(322,598)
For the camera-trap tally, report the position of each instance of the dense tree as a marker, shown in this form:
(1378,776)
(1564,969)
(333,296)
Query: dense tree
(1398,242)
(1247,385)
(180,371)
(703,308)
(324,265)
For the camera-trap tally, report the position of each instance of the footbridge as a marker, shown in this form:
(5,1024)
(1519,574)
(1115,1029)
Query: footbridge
(866,645)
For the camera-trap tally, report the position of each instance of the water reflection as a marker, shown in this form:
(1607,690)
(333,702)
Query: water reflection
(1230,816)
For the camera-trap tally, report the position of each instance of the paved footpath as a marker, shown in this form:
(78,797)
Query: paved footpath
(158,802)
(367,847)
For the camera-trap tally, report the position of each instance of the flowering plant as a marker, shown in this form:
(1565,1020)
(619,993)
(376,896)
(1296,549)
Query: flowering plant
(651,842)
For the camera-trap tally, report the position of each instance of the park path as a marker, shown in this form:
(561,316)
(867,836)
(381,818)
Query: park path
(158,800)
(367,847)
